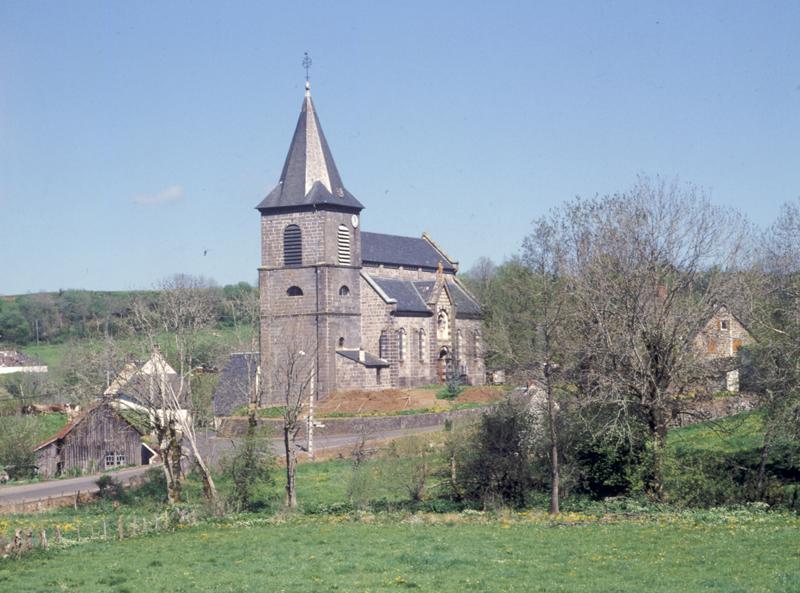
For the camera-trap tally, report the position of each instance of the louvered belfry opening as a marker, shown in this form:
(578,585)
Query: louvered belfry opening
(344,245)
(292,246)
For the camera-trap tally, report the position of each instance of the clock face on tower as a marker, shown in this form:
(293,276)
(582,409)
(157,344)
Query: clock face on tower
(354,220)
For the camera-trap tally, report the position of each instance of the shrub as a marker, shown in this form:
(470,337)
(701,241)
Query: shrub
(110,488)
(250,469)
(497,464)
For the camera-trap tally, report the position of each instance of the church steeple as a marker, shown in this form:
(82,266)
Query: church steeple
(309,175)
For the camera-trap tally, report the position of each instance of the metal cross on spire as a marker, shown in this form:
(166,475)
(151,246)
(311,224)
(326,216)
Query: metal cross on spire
(306,64)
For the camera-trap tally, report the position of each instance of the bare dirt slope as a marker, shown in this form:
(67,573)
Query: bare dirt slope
(398,400)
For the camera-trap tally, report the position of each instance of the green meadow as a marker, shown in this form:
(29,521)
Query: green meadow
(468,551)
(328,544)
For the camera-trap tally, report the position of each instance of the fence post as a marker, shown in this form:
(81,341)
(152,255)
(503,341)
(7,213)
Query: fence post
(29,539)
(18,540)
(43,539)
(58,534)
(105,529)
(120,528)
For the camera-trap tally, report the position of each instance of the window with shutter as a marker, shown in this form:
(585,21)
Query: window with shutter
(343,242)
(292,246)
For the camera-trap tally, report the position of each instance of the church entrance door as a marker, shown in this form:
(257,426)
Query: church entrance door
(443,354)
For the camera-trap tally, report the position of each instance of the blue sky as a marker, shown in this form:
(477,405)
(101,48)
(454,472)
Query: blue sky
(136,136)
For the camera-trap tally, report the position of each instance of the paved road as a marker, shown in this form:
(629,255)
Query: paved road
(212,447)
(53,488)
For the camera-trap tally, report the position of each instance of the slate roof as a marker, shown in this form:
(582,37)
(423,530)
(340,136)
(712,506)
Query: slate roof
(466,305)
(309,176)
(393,250)
(412,296)
(238,376)
(370,360)
(405,293)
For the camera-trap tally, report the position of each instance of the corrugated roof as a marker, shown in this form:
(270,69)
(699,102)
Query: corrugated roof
(393,250)
(309,176)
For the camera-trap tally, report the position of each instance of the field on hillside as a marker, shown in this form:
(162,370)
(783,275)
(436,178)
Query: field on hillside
(745,553)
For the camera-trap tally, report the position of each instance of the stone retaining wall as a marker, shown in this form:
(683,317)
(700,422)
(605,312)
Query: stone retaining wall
(237,426)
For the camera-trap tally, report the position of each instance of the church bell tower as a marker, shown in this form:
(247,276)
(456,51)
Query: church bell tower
(309,277)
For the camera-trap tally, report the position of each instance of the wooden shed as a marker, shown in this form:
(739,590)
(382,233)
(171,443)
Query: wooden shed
(97,440)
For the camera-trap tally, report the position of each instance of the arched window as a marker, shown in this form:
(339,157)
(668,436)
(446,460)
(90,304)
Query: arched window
(343,244)
(459,347)
(294,291)
(341,342)
(422,345)
(292,246)
(344,291)
(401,344)
(383,346)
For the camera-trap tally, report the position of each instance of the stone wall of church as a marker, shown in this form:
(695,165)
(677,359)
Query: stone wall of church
(376,318)
(471,350)
(401,273)
(414,366)
(351,375)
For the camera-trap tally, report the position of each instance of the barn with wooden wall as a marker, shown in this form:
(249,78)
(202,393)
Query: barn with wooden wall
(97,440)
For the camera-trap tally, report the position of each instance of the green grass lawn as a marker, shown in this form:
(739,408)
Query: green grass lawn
(735,433)
(442,553)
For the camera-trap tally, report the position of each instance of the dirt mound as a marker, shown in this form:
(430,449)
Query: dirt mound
(389,401)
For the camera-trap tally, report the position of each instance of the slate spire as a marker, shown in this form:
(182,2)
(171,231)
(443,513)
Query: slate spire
(309,175)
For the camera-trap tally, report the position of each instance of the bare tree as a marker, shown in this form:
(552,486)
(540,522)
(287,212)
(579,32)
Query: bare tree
(173,324)
(293,380)
(545,254)
(774,362)
(90,368)
(647,269)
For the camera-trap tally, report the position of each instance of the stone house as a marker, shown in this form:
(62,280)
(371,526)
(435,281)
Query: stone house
(377,311)
(718,343)
(97,440)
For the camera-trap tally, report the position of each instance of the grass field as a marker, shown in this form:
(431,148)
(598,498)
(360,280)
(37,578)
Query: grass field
(443,553)
(616,546)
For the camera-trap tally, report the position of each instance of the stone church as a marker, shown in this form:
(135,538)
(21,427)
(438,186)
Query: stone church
(377,311)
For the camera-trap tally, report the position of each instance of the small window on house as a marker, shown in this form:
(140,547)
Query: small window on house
(344,291)
(724,325)
(120,458)
(343,244)
(383,346)
(401,345)
(294,291)
(378,376)
(292,246)
(110,458)
(422,345)
(341,342)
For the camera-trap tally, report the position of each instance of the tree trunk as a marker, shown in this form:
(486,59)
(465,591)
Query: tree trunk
(291,468)
(209,488)
(554,475)
(658,428)
(167,449)
(762,466)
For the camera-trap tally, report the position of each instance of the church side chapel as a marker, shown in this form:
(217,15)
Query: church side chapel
(377,311)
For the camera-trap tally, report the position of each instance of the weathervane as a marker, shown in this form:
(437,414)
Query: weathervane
(306,65)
